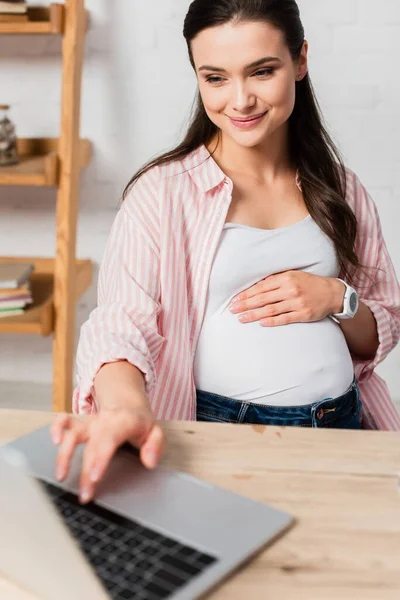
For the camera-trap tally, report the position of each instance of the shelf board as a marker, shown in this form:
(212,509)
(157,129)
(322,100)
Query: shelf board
(41,20)
(39,162)
(39,316)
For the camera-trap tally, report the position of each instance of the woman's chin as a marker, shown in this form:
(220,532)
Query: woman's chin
(249,140)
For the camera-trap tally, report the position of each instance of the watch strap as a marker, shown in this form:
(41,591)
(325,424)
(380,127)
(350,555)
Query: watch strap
(348,291)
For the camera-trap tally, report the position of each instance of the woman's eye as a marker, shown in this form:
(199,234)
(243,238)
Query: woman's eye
(213,79)
(264,72)
(260,73)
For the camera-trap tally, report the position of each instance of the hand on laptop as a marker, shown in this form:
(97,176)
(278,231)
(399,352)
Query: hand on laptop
(103,433)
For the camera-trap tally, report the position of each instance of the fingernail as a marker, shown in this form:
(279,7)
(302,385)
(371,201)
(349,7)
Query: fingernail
(242,318)
(94,475)
(59,473)
(84,495)
(151,456)
(56,438)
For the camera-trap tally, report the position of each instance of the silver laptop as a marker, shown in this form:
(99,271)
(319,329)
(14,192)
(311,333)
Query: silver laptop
(148,535)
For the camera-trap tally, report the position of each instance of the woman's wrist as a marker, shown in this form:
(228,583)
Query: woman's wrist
(121,385)
(336,295)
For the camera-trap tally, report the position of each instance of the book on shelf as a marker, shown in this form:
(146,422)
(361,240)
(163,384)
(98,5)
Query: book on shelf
(11,312)
(14,275)
(12,7)
(10,304)
(24,290)
(21,293)
(15,289)
(11,297)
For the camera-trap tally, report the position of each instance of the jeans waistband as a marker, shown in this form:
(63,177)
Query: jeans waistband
(317,414)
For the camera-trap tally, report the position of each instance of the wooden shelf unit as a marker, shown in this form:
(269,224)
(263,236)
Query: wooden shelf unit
(57,282)
(39,316)
(41,20)
(39,161)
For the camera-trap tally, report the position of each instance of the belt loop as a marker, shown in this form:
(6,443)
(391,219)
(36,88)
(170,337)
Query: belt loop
(242,412)
(314,409)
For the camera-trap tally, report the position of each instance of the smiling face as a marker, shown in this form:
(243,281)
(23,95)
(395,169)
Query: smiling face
(247,79)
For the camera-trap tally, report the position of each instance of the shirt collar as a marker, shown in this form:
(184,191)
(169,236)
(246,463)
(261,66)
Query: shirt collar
(206,173)
(203,169)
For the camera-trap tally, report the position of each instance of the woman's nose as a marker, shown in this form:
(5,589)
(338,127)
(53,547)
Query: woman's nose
(242,97)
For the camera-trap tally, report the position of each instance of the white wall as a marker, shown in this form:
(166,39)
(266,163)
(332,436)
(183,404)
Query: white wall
(137,91)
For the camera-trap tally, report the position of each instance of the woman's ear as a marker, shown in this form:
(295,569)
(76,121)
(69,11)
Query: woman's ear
(302,63)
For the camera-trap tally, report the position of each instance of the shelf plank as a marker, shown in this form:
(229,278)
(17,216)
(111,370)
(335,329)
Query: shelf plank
(31,170)
(39,317)
(39,162)
(41,20)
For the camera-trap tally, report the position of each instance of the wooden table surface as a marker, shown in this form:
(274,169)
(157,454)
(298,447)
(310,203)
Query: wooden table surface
(341,486)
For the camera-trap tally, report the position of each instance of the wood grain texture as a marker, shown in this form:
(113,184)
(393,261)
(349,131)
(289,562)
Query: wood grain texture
(341,487)
(65,284)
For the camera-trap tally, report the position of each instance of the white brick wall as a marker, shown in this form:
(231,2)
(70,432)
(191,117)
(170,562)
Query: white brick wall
(137,92)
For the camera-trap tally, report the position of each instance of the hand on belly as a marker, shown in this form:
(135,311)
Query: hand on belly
(290,297)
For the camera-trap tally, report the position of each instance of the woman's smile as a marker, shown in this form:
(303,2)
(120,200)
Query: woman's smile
(249,122)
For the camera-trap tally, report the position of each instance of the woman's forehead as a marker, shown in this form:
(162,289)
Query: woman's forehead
(238,43)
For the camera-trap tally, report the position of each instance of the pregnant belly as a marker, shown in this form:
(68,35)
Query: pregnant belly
(290,365)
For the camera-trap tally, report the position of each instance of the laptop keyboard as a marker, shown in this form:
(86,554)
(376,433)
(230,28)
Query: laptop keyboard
(132,561)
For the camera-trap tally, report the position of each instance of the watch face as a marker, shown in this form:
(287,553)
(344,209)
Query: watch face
(353,302)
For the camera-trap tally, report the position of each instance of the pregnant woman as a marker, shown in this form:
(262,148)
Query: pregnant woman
(246,278)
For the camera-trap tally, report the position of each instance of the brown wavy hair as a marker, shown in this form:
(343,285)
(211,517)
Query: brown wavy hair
(319,163)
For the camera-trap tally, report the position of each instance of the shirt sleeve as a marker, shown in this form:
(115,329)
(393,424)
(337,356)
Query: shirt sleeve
(376,282)
(124,326)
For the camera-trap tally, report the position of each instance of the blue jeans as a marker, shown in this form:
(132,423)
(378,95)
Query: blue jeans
(343,412)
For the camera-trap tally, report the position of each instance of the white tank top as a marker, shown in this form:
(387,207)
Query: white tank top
(290,365)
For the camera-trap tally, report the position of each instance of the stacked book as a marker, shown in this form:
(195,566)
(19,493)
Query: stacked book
(15,289)
(13,10)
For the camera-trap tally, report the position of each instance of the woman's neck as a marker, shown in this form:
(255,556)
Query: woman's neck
(264,163)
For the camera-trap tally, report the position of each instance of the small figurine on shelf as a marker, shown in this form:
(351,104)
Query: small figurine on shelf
(8,139)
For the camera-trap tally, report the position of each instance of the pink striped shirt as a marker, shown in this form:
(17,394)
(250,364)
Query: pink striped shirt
(154,278)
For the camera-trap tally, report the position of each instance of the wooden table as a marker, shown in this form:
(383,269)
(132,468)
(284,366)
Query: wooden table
(341,486)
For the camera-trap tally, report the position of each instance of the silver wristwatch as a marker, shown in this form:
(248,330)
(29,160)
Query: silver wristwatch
(350,304)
